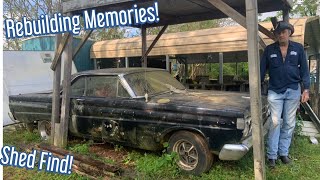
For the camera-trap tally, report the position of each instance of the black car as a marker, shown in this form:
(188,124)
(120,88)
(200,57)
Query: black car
(144,108)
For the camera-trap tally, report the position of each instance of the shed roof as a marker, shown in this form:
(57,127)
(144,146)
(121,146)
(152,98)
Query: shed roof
(174,11)
(208,42)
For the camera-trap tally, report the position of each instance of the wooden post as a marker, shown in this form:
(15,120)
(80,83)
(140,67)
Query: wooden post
(127,62)
(60,49)
(65,107)
(255,89)
(285,15)
(82,42)
(144,46)
(56,94)
(167,63)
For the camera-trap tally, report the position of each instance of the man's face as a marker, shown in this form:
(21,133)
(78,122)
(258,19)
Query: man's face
(283,36)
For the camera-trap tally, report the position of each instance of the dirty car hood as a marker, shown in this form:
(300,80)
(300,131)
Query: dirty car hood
(211,100)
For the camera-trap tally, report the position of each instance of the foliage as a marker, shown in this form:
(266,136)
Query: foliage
(229,69)
(299,125)
(184,27)
(31,9)
(305,7)
(306,164)
(151,166)
(80,148)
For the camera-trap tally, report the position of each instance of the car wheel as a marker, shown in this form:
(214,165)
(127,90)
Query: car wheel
(193,152)
(44,128)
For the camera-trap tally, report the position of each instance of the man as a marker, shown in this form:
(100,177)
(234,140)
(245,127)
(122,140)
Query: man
(287,65)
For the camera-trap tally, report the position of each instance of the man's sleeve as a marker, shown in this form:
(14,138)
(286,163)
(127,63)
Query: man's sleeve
(304,70)
(263,64)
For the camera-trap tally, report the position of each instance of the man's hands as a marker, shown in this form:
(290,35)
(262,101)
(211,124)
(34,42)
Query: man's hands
(305,96)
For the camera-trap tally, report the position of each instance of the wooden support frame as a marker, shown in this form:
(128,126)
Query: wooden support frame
(60,49)
(285,15)
(83,40)
(144,62)
(56,94)
(239,18)
(146,52)
(62,140)
(255,89)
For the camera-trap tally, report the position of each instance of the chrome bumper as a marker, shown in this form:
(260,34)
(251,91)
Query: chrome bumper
(237,151)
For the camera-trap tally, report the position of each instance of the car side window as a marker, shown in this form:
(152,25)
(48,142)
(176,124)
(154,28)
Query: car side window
(78,87)
(105,86)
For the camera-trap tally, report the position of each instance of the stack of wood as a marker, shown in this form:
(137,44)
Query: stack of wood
(83,165)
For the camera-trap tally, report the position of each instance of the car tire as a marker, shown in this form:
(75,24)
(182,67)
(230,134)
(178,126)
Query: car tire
(44,128)
(194,156)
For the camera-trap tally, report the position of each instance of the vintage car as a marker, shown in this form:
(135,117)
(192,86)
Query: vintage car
(147,108)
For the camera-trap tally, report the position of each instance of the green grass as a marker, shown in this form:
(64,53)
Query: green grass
(148,165)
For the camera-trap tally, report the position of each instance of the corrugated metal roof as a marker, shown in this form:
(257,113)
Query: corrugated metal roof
(226,39)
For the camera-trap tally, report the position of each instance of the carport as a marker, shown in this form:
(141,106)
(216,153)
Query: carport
(174,12)
(215,45)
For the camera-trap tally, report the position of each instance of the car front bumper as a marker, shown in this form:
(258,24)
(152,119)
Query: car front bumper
(237,151)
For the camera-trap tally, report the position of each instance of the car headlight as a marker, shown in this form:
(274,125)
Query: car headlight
(245,124)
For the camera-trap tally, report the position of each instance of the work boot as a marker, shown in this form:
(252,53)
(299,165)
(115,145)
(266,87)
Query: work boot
(272,163)
(285,159)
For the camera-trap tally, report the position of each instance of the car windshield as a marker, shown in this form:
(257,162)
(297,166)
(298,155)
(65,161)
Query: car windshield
(152,82)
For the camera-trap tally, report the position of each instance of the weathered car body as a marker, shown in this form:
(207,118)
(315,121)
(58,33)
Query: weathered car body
(146,113)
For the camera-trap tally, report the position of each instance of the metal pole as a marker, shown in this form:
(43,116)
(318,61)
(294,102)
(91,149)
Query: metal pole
(95,64)
(220,68)
(167,63)
(185,72)
(255,89)
(127,62)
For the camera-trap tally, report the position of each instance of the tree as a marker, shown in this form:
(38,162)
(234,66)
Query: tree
(305,7)
(32,9)
(16,9)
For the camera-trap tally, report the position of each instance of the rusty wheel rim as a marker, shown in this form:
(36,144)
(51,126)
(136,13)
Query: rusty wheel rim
(45,129)
(188,155)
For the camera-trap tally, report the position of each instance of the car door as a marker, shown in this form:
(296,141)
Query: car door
(98,112)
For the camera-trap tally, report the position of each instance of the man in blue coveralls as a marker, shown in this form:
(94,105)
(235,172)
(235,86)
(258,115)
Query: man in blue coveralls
(287,65)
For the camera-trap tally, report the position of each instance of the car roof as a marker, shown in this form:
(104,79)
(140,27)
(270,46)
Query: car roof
(115,71)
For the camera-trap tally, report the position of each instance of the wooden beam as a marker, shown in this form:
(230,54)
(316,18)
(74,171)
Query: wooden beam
(155,41)
(255,89)
(65,107)
(83,40)
(235,15)
(55,114)
(59,51)
(144,62)
(285,15)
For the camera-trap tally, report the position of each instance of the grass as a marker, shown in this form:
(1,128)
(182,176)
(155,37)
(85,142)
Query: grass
(148,165)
